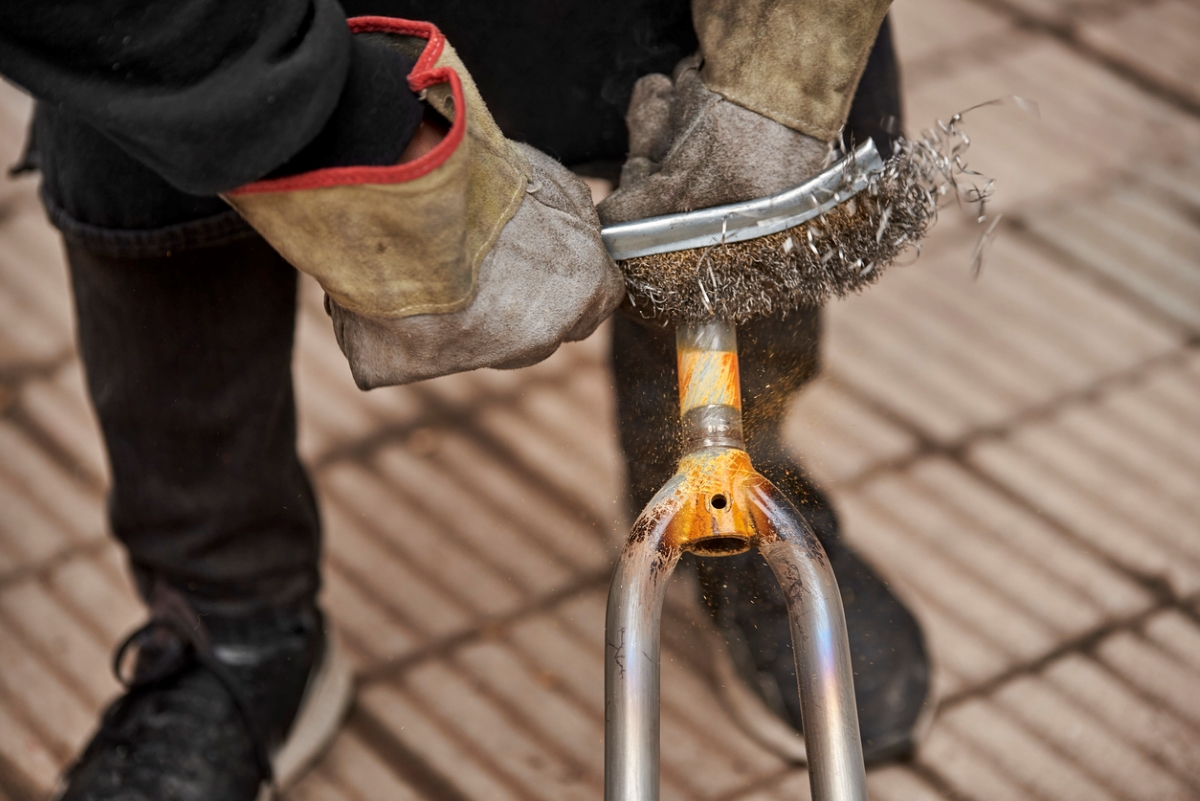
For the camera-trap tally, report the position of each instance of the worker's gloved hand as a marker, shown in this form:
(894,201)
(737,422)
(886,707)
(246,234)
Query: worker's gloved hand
(690,148)
(752,113)
(479,253)
(546,280)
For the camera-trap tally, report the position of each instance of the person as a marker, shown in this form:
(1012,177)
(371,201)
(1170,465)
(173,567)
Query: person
(194,154)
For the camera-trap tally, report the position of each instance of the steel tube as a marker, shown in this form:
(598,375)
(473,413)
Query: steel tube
(821,649)
(717,503)
(631,661)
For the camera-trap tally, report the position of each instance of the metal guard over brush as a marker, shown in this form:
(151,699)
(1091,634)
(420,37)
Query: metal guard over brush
(750,219)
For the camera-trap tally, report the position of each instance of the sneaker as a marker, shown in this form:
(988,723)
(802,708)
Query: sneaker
(229,709)
(756,673)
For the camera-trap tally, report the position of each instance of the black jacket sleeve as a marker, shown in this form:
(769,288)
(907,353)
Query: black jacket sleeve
(212,94)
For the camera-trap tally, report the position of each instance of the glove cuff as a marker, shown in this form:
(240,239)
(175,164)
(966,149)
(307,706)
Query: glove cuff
(797,63)
(406,239)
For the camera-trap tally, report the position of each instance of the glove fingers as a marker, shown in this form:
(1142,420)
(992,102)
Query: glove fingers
(546,280)
(649,117)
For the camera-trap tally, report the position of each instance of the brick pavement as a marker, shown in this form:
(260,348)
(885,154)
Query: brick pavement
(1019,454)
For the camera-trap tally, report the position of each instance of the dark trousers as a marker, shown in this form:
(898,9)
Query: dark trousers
(188,361)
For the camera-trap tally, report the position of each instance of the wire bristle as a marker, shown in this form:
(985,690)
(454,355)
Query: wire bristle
(842,251)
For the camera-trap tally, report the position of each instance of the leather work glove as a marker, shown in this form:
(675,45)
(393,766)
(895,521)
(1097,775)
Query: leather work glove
(480,253)
(753,113)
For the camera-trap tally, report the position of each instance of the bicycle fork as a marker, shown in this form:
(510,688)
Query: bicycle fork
(716,505)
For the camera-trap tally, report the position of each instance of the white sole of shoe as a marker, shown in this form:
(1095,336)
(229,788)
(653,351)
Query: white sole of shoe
(326,702)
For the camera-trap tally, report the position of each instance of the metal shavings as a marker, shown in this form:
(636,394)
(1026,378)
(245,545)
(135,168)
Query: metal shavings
(842,251)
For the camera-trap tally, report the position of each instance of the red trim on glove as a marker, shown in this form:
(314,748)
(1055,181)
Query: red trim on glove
(422,77)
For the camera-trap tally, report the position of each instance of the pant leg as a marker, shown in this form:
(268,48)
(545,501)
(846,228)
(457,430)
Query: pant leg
(188,362)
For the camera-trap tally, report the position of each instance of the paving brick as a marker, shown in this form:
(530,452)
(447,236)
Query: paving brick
(369,630)
(1033,158)
(960,657)
(1075,734)
(26,751)
(1073,568)
(35,302)
(1177,634)
(564,657)
(1069,12)
(24,337)
(1083,514)
(959,643)
(573,419)
(926,29)
(16,107)
(838,436)
(1022,754)
(1118,464)
(109,606)
(77,509)
(1113,442)
(1136,240)
(437,743)
(317,786)
(539,450)
(1154,673)
(331,409)
(360,773)
(1151,421)
(1128,714)
(480,527)
(922,499)
(896,783)
(420,602)
(60,410)
(793,786)
(557,526)
(32,693)
(1158,41)
(1175,179)
(27,534)
(533,695)
(967,769)
(981,370)
(1175,391)
(1118,488)
(385,510)
(897,545)
(76,655)
(496,488)
(537,767)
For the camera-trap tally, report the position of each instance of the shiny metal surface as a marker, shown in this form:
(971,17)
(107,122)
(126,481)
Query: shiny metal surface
(821,648)
(711,427)
(631,663)
(750,219)
(718,504)
(710,392)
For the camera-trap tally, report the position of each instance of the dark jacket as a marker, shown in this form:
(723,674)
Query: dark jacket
(147,110)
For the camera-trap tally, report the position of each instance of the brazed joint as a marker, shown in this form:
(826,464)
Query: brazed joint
(712,427)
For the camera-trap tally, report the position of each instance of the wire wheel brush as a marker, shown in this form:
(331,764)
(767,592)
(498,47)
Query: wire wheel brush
(829,237)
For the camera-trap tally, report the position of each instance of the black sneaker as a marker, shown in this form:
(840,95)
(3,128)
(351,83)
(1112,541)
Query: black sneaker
(216,709)
(887,648)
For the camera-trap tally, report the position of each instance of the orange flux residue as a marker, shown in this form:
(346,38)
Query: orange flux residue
(708,378)
(719,473)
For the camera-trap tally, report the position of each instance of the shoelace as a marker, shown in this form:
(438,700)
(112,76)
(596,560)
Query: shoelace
(184,646)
